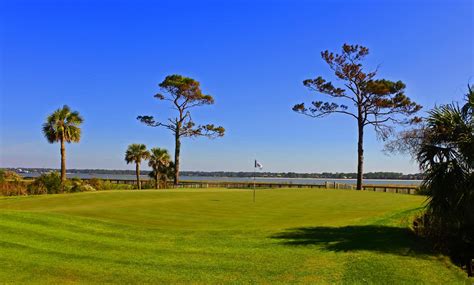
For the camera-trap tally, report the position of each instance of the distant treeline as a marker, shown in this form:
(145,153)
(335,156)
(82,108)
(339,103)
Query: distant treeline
(369,175)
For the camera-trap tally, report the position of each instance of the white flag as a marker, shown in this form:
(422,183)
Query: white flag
(258,164)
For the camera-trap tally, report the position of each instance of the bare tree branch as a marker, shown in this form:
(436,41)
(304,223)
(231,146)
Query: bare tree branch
(377,102)
(184,94)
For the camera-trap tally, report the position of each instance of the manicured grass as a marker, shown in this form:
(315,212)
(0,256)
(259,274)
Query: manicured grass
(216,236)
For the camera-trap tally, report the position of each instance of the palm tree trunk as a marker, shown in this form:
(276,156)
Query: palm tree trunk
(137,169)
(63,162)
(469,267)
(360,155)
(156,179)
(177,151)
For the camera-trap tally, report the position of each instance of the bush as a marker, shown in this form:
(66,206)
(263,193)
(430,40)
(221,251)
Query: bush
(37,188)
(148,184)
(97,183)
(452,239)
(445,153)
(83,188)
(77,185)
(51,184)
(13,188)
(7,175)
(113,186)
(423,190)
(12,184)
(100,184)
(48,184)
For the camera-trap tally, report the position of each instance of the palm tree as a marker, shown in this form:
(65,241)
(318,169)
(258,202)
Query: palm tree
(159,162)
(165,173)
(136,153)
(446,154)
(63,126)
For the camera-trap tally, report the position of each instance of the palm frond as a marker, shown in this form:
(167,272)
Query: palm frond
(136,153)
(446,155)
(63,124)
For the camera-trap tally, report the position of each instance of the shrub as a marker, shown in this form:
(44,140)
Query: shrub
(97,183)
(449,238)
(423,190)
(83,188)
(75,185)
(444,148)
(12,184)
(37,188)
(6,175)
(48,184)
(148,184)
(114,186)
(13,188)
(100,184)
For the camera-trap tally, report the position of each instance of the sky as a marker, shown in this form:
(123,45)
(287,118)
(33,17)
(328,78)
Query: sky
(105,59)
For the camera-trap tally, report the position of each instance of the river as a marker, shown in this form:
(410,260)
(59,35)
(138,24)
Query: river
(248,179)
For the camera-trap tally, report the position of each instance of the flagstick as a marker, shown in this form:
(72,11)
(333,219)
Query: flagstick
(254,190)
(254,173)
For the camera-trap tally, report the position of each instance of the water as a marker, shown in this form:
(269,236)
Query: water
(248,179)
(305,180)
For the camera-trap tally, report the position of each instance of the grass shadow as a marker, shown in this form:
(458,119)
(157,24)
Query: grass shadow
(383,239)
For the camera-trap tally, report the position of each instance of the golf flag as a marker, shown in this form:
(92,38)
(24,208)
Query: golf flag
(258,164)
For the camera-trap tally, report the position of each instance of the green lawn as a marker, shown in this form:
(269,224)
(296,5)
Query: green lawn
(216,236)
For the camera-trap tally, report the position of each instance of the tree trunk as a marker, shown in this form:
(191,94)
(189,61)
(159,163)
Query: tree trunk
(157,179)
(63,162)
(360,156)
(138,176)
(469,267)
(177,150)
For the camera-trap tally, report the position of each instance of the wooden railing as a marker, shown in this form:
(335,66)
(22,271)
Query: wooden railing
(404,189)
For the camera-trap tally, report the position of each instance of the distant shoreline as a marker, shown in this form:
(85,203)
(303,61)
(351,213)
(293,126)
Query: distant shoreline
(278,180)
(330,178)
(263,178)
(396,176)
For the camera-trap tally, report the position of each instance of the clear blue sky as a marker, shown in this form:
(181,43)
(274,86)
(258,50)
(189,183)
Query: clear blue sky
(106,58)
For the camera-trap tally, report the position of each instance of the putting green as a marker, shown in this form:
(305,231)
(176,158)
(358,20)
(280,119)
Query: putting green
(216,236)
